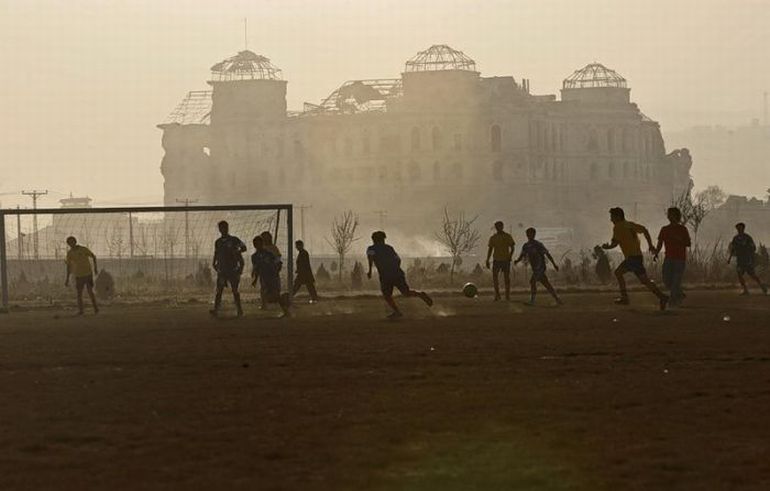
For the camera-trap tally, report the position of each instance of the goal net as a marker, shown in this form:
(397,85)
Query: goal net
(144,254)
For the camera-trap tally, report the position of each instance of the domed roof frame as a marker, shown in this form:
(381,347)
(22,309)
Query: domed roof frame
(440,57)
(594,75)
(246,65)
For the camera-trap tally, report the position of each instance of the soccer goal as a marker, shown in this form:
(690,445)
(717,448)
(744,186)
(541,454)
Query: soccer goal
(144,253)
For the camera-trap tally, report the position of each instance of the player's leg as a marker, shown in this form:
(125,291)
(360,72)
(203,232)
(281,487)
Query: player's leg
(507,280)
(284,301)
(753,275)
(218,295)
(496,279)
(79,285)
(296,285)
(646,281)
(235,282)
(742,281)
(90,290)
(677,293)
(311,289)
(407,291)
(548,286)
(620,271)
(667,274)
(532,289)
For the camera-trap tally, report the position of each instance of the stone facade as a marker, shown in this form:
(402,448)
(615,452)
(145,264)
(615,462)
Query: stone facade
(439,136)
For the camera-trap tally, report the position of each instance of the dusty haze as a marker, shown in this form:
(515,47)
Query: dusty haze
(84,83)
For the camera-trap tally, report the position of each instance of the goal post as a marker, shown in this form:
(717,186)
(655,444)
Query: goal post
(147,252)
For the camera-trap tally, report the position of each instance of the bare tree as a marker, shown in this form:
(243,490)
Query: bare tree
(343,235)
(458,237)
(696,207)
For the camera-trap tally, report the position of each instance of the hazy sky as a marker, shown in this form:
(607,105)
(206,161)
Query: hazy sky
(83,83)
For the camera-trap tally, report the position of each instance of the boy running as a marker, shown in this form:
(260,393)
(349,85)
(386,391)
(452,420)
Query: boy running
(500,249)
(228,263)
(676,238)
(626,235)
(79,265)
(304,273)
(536,252)
(743,248)
(266,270)
(391,275)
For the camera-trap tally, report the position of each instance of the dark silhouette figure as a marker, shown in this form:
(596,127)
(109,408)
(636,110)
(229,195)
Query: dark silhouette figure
(79,265)
(304,272)
(391,275)
(228,263)
(626,235)
(602,269)
(266,270)
(743,248)
(500,249)
(536,253)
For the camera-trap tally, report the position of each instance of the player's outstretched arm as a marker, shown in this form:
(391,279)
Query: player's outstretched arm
(489,254)
(550,258)
(96,267)
(521,256)
(658,247)
(610,245)
(647,237)
(67,274)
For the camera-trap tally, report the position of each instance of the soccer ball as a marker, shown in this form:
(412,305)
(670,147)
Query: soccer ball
(470,290)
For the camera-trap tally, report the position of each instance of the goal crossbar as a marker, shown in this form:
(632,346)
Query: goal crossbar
(4,285)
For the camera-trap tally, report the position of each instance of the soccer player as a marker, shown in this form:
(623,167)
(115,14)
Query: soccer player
(626,235)
(743,248)
(391,275)
(265,270)
(228,263)
(267,241)
(676,238)
(500,249)
(536,252)
(79,266)
(304,272)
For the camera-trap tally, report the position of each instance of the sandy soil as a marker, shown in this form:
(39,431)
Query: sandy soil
(468,395)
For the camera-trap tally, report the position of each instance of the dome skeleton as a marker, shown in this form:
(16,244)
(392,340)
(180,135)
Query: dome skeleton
(594,75)
(440,57)
(246,65)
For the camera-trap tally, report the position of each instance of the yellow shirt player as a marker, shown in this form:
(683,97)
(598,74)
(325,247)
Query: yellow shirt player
(501,246)
(79,265)
(626,235)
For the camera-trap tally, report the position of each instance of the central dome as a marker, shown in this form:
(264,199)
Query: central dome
(246,65)
(440,57)
(593,76)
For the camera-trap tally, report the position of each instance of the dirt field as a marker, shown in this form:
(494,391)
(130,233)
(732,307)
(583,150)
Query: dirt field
(469,395)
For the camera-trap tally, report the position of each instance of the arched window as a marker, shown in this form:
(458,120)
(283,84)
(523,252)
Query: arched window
(415,139)
(436,138)
(495,138)
(497,171)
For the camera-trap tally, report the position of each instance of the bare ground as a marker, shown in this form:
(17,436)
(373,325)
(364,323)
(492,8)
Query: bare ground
(468,395)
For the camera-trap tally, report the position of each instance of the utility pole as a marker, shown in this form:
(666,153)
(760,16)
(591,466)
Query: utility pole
(187,202)
(35,194)
(302,209)
(19,235)
(382,214)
